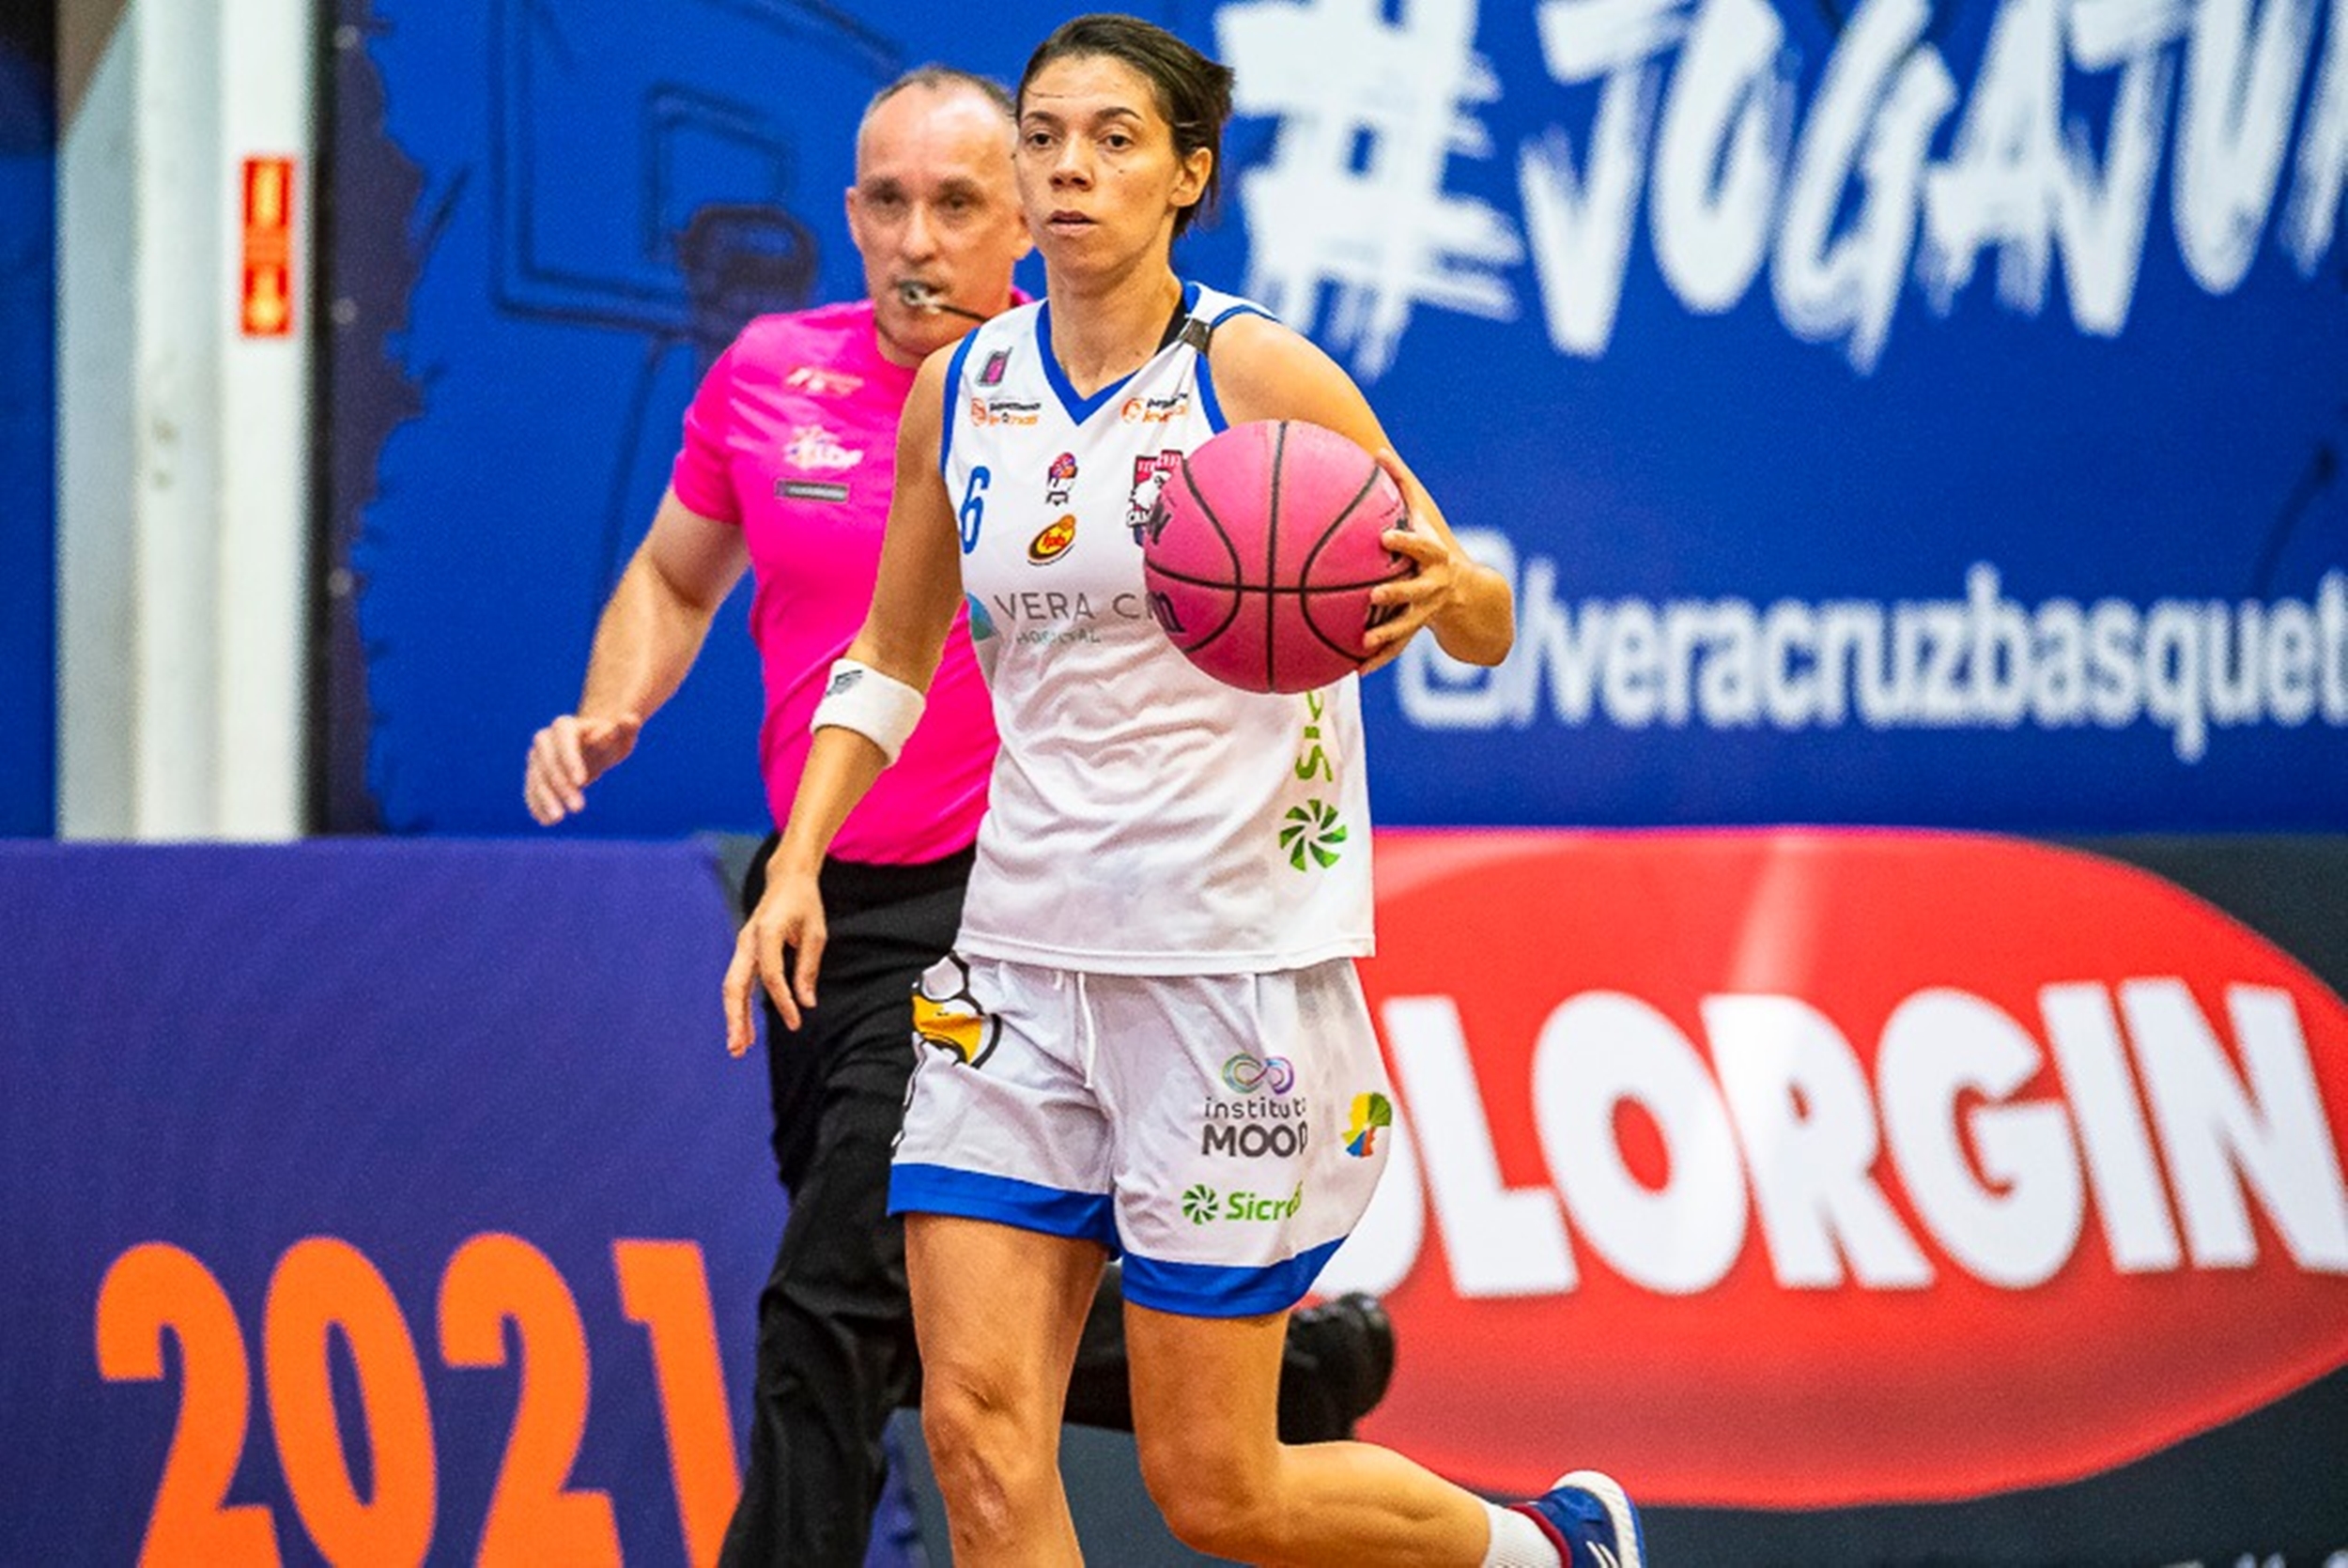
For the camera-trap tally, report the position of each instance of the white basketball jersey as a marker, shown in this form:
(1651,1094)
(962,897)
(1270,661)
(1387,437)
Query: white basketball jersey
(1143,819)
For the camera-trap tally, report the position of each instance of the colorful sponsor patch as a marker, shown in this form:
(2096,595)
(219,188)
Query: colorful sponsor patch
(1248,1074)
(1053,542)
(1372,1114)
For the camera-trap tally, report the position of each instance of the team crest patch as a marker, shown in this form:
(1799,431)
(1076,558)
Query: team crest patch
(955,1024)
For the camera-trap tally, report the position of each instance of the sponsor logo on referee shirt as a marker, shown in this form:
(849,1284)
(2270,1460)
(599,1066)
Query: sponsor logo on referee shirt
(823,383)
(810,489)
(812,447)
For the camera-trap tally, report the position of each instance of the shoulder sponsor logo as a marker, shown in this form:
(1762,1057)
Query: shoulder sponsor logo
(1372,1114)
(811,446)
(1154,410)
(1923,1167)
(1004,412)
(996,362)
(818,382)
(1053,542)
(810,489)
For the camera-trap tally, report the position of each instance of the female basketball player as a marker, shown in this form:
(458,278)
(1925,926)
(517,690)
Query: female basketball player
(1149,1038)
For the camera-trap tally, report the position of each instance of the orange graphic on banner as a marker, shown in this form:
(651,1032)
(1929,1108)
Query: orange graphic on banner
(267,299)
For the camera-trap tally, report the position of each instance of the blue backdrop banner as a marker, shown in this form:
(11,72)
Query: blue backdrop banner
(1887,413)
(371,1202)
(28,420)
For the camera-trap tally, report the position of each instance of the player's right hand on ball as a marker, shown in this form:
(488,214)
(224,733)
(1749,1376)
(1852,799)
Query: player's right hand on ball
(789,916)
(570,754)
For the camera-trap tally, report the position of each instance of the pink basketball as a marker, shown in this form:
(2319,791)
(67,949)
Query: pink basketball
(1263,550)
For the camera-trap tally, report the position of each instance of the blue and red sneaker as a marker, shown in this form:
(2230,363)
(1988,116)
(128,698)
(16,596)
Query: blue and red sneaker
(1589,1521)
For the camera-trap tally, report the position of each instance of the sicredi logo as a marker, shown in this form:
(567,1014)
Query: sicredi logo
(1839,1168)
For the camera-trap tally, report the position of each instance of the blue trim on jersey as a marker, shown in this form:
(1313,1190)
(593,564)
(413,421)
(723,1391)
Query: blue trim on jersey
(1212,1290)
(1209,404)
(919,1188)
(947,409)
(1207,399)
(1082,409)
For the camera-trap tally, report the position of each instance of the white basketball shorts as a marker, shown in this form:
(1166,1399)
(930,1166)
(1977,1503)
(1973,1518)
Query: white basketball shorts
(1223,1132)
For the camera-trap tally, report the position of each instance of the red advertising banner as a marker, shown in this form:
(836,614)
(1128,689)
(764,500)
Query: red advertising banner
(1836,1168)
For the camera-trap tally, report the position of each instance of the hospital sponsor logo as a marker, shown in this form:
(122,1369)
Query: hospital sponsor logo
(1372,1114)
(1248,1074)
(823,383)
(1038,617)
(1154,410)
(1004,412)
(811,446)
(1203,1205)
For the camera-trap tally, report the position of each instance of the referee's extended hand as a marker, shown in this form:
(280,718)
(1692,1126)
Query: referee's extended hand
(570,754)
(789,916)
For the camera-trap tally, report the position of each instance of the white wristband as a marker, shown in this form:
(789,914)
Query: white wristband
(878,707)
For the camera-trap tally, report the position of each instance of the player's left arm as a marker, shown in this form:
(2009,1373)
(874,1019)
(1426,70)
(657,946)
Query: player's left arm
(1264,370)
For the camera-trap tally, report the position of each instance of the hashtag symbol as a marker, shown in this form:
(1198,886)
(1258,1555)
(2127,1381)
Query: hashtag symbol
(1353,196)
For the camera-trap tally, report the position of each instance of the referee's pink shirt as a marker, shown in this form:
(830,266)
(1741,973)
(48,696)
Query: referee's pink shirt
(793,438)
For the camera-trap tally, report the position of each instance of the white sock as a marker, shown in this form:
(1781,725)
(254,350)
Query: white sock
(1518,1542)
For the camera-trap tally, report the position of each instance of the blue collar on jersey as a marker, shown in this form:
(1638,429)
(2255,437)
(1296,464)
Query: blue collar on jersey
(1081,408)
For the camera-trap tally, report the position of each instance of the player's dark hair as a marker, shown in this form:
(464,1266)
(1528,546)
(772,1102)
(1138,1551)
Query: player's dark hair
(938,78)
(1194,92)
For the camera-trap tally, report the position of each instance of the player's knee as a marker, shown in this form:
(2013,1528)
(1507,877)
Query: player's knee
(1214,1503)
(984,1449)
